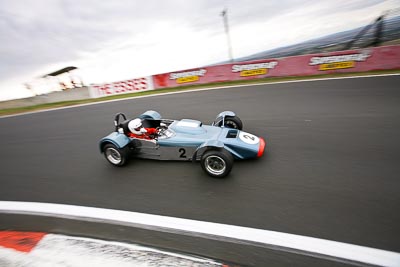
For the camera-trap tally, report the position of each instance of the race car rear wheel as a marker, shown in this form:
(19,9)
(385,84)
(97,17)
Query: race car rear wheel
(217,163)
(115,155)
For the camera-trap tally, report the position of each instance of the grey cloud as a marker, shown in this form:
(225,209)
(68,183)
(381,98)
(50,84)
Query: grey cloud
(38,32)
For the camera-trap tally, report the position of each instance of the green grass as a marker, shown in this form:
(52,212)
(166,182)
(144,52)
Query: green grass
(47,106)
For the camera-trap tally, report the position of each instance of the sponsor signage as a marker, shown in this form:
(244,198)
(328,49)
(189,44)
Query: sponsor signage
(376,58)
(122,87)
(338,61)
(187,76)
(254,69)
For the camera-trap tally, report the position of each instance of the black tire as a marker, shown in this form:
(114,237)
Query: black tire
(233,122)
(115,156)
(217,163)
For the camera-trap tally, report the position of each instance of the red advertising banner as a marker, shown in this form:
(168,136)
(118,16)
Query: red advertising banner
(378,58)
(121,87)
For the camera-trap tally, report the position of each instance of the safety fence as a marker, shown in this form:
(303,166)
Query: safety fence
(361,60)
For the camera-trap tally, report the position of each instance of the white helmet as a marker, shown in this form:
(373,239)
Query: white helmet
(135,126)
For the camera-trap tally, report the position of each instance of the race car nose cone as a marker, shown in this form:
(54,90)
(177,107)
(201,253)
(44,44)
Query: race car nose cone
(261,148)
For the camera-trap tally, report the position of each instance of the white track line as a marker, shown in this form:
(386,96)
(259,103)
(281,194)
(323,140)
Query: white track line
(316,247)
(199,90)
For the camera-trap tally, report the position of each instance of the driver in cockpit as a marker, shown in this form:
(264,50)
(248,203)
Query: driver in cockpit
(138,131)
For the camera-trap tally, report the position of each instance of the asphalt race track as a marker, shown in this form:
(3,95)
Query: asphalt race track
(331,168)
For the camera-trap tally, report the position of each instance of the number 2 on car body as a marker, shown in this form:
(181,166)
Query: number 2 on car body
(249,138)
(182,154)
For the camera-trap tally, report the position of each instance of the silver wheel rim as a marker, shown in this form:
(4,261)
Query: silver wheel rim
(232,124)
(215,165)
(113,155)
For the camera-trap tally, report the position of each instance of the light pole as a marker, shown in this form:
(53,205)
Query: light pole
(224,15)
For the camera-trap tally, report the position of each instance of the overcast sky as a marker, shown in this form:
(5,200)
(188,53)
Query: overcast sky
(123,39)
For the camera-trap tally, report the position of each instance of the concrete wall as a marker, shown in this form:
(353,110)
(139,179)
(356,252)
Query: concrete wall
(67,95)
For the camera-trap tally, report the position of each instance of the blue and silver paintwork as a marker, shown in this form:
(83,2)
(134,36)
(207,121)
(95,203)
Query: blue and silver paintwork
(188,139)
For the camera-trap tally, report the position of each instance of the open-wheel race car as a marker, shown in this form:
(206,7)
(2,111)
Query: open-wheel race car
(216,146)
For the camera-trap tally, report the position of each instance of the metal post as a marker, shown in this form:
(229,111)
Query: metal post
(224,15)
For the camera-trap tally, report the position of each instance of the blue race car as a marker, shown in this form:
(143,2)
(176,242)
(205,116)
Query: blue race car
(215,146)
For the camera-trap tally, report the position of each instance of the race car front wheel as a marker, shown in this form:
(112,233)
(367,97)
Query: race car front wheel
(115,155)
(234,122)
(231,122)
(217,163)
